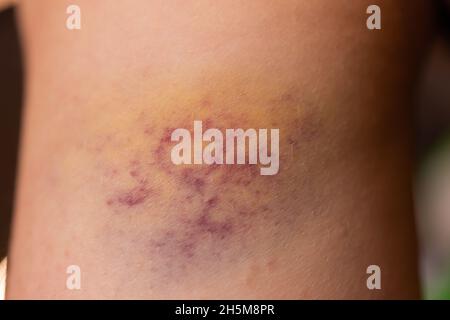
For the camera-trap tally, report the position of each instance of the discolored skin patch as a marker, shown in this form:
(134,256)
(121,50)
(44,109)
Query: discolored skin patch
(137,194)
(134,196)
(206,231)
(210,209)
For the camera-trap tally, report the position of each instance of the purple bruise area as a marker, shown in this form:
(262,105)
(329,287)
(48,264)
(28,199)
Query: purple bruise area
(200,193)
(197,229)
(205,217)
(137,194)
(134,196)
(205,222)
(205,213)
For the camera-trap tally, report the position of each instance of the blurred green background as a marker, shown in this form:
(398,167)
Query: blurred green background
(432,179)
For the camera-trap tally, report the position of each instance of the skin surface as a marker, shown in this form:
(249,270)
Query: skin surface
(97,188)
(6,3)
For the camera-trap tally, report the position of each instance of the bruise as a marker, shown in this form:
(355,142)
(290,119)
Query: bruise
(212,208)
(193,179)
(217,229)
(133,197)
(137,194)
(206,224)
(161,154)
(206,231)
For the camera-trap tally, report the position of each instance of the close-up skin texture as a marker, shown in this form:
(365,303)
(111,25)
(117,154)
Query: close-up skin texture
(97,187)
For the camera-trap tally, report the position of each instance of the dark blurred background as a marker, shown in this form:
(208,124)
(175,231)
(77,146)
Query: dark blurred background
(10,111)
(432,187)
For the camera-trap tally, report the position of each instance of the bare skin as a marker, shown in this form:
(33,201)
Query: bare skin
(97,188)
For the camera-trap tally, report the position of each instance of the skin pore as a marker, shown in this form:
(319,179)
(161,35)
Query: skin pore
(97,187)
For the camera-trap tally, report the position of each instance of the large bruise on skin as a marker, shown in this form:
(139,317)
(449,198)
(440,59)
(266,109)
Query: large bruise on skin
(211,210)
(210,207)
